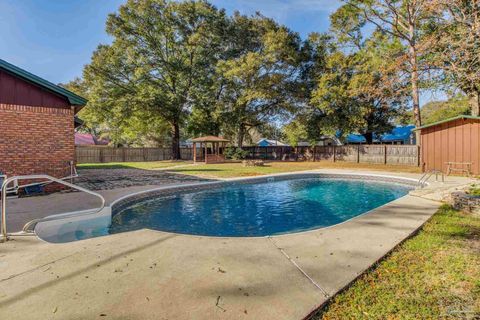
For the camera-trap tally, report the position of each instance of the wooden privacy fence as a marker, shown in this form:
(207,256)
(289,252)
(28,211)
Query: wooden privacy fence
(381,154)
(98,154)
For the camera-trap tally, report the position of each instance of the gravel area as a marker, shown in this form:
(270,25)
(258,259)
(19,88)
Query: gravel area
(107,179)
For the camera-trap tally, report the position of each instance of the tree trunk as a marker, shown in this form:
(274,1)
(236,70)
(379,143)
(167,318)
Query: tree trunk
(175,141)
(414,80)
(240,136)
(368,137)
(474,102)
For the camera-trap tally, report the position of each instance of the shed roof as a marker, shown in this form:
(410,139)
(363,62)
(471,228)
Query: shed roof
(73,99)
(463,116)
(85,139)
(400,133)
(209,139)
(358,138)
(272,142)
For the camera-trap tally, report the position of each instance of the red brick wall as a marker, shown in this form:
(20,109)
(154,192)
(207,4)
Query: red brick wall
(36,140)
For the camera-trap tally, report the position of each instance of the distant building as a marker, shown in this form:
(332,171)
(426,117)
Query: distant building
(399,135)
(270,143)
(186,144)
(322,141)
(359,139)
(87,139)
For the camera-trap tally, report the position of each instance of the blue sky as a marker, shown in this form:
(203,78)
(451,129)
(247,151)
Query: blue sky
(54,39)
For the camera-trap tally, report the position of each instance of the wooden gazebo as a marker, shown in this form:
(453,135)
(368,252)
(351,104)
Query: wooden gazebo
(211,147)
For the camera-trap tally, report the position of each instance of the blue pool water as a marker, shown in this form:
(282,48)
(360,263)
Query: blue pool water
(259,209)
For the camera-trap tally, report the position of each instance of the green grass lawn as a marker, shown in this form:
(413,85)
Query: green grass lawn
(434,275)
(236,169)
(150,165)
(229,170)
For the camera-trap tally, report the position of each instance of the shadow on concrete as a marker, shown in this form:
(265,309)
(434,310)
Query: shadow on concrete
(67,277)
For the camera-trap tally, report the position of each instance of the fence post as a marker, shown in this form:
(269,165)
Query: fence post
(334,152)
(102,157)
(358,153)
(314,153)
(419,155)
(385,155)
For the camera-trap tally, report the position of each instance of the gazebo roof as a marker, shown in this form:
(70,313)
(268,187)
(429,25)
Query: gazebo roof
(209,139)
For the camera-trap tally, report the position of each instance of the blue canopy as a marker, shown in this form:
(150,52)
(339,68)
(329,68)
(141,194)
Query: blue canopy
(400,133)
(358,138)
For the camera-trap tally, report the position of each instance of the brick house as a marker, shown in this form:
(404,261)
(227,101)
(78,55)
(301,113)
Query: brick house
(36,124)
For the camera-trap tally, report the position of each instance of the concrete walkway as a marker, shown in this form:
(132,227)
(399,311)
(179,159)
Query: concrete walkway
(156,275)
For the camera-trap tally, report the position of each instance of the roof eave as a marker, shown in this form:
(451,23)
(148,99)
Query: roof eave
(73,99)
(447,120)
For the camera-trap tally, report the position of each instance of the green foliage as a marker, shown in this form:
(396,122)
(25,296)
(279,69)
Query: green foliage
(403,21)
(179,68)
(358,92)
(259,83)
(295,132)
(440,110)
(187,65)
(155,63)
(235,153)
(455,31)
(474,190)
(90,117)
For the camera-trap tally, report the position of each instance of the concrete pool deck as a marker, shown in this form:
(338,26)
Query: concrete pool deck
(149,274)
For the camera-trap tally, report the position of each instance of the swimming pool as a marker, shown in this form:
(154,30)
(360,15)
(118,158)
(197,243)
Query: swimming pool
(258,209)
(249,208)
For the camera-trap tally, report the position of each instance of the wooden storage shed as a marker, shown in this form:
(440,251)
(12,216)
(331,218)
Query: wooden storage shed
(454,142)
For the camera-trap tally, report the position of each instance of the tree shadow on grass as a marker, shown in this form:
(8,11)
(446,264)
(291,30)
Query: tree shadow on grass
(192,170)
(112,166)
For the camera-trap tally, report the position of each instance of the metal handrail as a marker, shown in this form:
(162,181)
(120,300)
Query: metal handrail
(3,227)
(427,175)
(73,174)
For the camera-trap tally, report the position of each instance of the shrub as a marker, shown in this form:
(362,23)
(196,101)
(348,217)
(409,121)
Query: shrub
(235,153)
(474,190)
